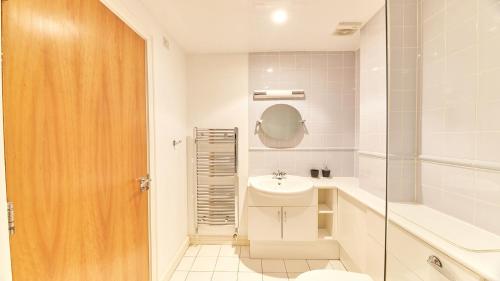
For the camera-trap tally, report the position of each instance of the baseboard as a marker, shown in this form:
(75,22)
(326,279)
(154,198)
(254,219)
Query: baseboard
(218,240)
(177,259)
(314,250)
(347,261)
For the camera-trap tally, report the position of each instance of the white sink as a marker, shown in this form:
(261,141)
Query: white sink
(290,191)
(290,185)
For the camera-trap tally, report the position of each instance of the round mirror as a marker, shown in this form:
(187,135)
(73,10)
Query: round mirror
(281,126)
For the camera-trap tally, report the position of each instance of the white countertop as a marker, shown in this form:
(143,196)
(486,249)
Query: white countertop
(409,217)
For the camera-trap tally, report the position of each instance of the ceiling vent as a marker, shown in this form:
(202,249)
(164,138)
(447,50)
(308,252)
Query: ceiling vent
(347,28)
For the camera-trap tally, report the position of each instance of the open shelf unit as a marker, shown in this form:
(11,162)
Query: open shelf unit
(324,209)
(327,206)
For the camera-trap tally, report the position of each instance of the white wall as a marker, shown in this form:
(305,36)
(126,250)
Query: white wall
(167,93)
(217,98)
(372,106)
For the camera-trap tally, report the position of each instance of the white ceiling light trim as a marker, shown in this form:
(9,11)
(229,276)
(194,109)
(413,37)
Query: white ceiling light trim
(279,16)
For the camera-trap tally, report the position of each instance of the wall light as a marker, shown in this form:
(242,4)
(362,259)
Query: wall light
(279,16)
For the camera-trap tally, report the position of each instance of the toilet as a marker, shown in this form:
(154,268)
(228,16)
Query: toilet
(332,275)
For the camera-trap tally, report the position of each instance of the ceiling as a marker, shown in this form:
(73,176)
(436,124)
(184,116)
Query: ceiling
(229,26)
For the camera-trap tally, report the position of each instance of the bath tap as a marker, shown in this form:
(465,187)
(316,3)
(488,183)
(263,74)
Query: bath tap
(279,175)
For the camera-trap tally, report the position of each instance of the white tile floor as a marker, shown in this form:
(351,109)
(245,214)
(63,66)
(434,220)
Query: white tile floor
(233,263)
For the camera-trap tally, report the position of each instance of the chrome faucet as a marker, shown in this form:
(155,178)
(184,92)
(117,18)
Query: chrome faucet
(279,175)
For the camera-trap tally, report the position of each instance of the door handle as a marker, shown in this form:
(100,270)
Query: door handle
(144,183)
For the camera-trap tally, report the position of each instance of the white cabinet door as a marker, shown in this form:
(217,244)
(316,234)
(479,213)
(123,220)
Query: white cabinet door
(300,223)
(264,223)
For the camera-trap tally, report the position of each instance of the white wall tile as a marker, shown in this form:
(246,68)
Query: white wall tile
(487,187)
(461,207)
(433,27)
(431,7)
(487,216)
(460,11)
(329,81)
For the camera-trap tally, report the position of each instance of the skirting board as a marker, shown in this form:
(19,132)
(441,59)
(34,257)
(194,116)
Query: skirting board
(177,259)
(218,240)
(346,260)
(295,250)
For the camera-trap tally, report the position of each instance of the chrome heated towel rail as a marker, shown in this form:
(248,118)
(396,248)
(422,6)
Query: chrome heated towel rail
(216,177)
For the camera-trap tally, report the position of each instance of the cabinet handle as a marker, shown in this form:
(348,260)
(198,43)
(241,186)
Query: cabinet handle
(285,216)
(436,263)
(279,214)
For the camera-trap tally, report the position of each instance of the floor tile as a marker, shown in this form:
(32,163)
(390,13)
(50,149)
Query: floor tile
(319,264)
(204,264)
(233,263)
(225,276)
(337,264)
(275,277)
(249,276)
(296,266)
(250,265)
(227,264)
(185,264)
(192,251)
(229,251)
(273,266)
(245,251)
(293,275)
(199,276)
(209,251)
(179,276)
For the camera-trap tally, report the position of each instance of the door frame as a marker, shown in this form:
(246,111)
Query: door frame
(118,8)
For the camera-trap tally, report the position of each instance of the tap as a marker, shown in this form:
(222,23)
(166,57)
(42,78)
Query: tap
(279,175)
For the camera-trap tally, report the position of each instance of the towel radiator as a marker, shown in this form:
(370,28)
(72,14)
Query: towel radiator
(216,177)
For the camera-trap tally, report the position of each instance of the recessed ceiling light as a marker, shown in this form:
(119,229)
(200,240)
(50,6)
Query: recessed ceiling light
(270,70)
(279,16)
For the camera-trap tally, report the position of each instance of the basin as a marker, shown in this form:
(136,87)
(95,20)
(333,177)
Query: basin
(290,191)
(290,185)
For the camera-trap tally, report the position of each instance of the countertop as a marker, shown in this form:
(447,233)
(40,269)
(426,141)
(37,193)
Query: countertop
(409,217)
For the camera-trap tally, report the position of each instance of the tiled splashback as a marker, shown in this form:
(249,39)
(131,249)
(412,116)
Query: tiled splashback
(328,79)
(461,109)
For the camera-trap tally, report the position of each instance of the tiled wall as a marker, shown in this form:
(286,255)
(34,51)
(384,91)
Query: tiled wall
(461,109)
(328,79)
(404,64)
(372,106)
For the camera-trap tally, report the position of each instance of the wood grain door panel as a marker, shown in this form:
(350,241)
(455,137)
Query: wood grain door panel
(75,127)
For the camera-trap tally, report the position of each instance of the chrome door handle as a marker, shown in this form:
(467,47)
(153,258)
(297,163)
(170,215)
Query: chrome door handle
(436,263)
(144,183)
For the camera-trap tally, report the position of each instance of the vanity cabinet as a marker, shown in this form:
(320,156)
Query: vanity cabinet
(300,223)
(264,223)
(282,223)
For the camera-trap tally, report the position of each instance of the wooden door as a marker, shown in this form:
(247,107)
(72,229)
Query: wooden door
(74,102)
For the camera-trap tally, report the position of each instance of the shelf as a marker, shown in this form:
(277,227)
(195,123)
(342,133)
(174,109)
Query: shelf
(324,209)
(324,234)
